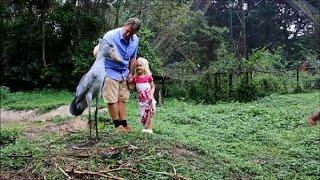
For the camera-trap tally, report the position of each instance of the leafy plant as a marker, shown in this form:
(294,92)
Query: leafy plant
(8,135)
(246,90)
(4,92)
(148,52)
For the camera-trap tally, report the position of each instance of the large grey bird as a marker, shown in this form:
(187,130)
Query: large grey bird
(91,84)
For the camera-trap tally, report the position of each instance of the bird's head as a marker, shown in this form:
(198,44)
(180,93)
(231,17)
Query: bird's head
(109,50)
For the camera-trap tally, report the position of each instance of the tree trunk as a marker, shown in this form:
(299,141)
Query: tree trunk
(118,7)
(43,42)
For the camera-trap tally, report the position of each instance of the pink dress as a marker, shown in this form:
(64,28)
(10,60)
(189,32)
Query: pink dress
(146,108)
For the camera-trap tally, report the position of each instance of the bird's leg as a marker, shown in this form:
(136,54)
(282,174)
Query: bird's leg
(95,117)
(89,122)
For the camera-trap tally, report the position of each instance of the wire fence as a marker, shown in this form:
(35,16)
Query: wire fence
(223,83)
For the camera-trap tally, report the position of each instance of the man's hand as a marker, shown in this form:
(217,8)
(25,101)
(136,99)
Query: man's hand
(129,82)
(130,78)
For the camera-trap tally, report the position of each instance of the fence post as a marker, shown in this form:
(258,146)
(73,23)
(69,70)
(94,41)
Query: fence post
(158,95)
(215,86)
(230,85)
(219,85)
(298,76)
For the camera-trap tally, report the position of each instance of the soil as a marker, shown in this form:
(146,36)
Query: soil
(181,152)
(37,124)
(8,175)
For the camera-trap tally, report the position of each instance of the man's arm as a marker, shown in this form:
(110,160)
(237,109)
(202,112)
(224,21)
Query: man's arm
(133,64)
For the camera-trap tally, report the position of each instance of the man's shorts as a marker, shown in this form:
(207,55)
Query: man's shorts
(114,91)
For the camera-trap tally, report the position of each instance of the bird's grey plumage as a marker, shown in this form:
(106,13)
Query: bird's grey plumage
(90,85)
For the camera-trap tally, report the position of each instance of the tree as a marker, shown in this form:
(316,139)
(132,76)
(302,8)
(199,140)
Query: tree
(271,23)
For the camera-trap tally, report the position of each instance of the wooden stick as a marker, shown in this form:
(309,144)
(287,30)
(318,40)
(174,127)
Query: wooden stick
(118,169)
(63,172)
(133,147)
(72,132)
(79,155)
(115,177)
(19,156)
(94,173)
(169,174)
(80,148)
(174,169)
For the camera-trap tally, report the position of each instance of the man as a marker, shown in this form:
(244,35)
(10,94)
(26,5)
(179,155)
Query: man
(115,90)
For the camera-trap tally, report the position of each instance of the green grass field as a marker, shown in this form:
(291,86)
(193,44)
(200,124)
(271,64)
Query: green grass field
(264,139)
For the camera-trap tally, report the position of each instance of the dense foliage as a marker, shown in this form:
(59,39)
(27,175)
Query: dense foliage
(49,43)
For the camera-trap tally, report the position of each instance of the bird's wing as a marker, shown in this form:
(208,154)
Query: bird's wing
(84,86)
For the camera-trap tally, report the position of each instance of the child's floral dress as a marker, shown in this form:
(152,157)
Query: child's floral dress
(146,108)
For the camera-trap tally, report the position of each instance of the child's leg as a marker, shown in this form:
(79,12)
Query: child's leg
(149,125)
(151,113)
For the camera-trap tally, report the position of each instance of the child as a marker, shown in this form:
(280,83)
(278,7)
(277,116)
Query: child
(143,82)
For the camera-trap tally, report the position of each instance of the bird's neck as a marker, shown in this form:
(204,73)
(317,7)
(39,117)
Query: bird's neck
(100,57)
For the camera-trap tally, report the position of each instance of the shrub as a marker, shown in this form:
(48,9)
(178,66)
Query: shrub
(267,84)
(245,90)
(8,136)
(308,81)
(316,84)
(4,92)
(177,89)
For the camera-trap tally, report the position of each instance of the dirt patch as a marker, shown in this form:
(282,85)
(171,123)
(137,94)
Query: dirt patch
(181,152)
(61,111)
(14,116)
(8,175)
(8,116)
(32,131)
(62,128)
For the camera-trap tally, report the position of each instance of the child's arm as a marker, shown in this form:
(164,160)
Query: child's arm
(152,90)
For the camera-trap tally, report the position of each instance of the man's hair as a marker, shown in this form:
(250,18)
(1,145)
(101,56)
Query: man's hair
(134,22)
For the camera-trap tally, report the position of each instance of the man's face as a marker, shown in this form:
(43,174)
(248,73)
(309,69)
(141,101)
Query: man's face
(128,32)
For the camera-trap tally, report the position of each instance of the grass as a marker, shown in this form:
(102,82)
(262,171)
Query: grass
(264,139)
(44,100)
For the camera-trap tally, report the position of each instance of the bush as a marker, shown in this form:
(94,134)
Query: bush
(317,82)
(196,91)
(308,81)
(246,90)
(298,89)
(8,136)
(177,89)
(267,84)
(4,92)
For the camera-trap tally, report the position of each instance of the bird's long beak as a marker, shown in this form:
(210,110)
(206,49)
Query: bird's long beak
(115,55)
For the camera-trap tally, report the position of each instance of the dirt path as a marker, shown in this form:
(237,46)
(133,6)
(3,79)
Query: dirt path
(29,119)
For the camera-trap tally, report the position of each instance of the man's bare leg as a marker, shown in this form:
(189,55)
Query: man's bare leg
(113,111)
(122,115)
(121,110)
